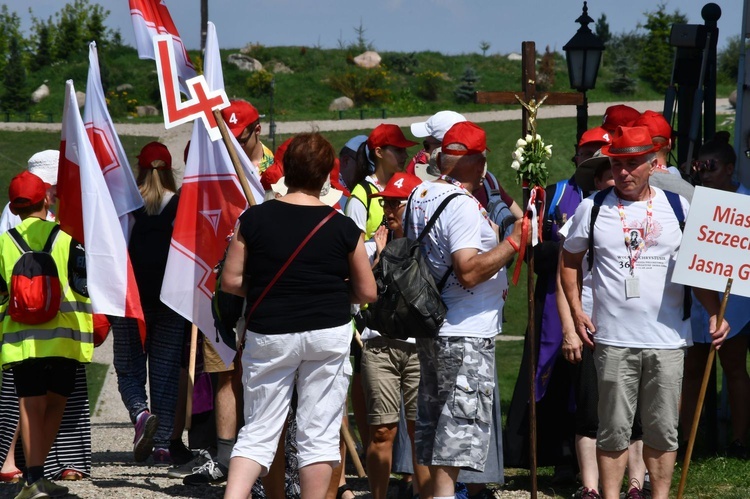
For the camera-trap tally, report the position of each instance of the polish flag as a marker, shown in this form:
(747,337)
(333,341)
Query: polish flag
(88,214)
(107,147)
(211,200)
(151,18)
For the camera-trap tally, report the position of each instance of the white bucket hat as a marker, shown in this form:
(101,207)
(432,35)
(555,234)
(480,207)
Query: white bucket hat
(44,165)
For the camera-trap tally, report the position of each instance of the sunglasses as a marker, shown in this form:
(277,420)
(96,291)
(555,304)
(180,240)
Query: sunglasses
(392,204)
(747,153)
(709,165)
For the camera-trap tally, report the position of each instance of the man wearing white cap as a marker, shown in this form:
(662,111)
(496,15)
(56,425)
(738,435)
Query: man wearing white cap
(44,165)
(433,130)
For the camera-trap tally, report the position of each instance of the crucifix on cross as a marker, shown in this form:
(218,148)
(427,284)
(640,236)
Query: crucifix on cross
(528,90)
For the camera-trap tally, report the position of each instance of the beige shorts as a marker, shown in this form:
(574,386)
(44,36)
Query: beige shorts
(212,362)
(390,368)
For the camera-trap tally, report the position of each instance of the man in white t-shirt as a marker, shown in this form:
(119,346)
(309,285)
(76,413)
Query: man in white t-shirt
(637,319)
(454,406)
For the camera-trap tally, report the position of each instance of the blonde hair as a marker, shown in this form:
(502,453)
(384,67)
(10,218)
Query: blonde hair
(153,182)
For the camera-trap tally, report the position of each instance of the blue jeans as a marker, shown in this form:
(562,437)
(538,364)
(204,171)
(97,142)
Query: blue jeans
(165,337)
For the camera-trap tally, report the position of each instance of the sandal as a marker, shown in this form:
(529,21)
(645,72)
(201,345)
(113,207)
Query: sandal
(11,476)
(72,475)
(343,490)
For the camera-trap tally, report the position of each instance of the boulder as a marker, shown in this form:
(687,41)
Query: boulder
(515,56)
(341,104)
(733,99)
(245,62)
(281,68)
(80,98)
(125,87)
(40,93)
(369,59)
(146,111)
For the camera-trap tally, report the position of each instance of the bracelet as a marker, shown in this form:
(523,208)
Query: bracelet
(513,244)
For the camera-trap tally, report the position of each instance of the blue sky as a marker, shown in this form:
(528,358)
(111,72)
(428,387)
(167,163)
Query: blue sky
(448,26)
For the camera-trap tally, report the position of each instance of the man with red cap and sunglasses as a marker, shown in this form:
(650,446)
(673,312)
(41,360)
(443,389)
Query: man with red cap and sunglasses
(638,320)
(456,388)
(243,121)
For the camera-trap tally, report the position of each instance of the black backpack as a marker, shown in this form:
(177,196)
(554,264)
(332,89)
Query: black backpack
(674,202)
(409,303)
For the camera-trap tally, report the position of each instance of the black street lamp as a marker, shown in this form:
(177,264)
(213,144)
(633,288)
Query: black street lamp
(583,53)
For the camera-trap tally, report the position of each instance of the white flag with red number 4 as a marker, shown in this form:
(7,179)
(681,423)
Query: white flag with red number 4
(107,146)
(88,214)
(211,200)
(151,18)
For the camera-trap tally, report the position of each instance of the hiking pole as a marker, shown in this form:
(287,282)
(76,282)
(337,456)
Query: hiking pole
(351,448)
(701,396)
(233,156)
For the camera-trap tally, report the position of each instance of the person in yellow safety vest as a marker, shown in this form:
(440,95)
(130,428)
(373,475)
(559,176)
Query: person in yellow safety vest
(44,357)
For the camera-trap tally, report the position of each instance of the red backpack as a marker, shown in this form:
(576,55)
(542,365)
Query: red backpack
(34,290)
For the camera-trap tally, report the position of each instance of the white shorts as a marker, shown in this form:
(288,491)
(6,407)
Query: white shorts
(269,365)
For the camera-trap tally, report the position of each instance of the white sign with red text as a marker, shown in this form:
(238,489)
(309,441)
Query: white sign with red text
(202,100)
(716,242)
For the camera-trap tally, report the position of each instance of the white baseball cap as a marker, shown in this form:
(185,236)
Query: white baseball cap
(44,165)
(437,125)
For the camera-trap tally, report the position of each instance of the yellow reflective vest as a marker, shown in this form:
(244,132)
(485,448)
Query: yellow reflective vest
(71,333)
(375,212)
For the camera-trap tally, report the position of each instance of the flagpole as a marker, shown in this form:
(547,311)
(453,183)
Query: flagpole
(233,156)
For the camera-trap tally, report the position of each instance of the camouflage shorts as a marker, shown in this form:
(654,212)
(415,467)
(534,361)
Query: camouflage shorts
(454,406)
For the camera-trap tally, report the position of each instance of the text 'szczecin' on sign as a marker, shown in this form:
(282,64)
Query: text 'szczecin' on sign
(202,101)
(716,242)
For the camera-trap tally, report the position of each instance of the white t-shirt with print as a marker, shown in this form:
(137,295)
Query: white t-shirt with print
(586,293)
(474,312)
(654,318)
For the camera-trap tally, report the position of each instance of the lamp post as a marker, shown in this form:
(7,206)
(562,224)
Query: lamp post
(583,53)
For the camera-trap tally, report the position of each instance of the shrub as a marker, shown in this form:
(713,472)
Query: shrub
(464,92)
(620,58)
(546,73)
(401,63)
(363,86)
(428,85)
(259,83)
(729,58)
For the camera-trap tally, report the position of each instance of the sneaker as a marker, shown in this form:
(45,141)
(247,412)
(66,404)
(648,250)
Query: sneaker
(70,474)
(634,493)
(52,489)
(190,467)
(180,454)
(143,443)
(162,457)
(33,491)
(211,472)
(586,493)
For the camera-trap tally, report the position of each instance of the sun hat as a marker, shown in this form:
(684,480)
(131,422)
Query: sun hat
(437,125)
(26,189)
(44,165)
(619,115)
(595,135)
(586,171)
(388,135)
(154,151)
(656,123)
(328,194)
(239,115)
(399,186)
(629,142)
(469,135)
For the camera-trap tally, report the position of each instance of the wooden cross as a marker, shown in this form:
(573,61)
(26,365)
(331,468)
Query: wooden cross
(528,89)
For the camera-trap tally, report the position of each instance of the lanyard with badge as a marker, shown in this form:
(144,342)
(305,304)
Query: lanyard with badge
(632,285)
(458,184)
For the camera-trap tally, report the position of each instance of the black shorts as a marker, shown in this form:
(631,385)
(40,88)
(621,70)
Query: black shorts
(35,377)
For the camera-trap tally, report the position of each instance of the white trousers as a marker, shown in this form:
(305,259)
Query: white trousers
(270,363)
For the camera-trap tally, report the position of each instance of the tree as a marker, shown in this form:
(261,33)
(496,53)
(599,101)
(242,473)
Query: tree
(657,56)
(546,74)
(14,79)
(602,29)
(466,89)
(43,45)
(362,43)
(729,58)
(484,46)
(10,28)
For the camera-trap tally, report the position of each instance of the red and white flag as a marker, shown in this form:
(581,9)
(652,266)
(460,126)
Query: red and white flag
(211,200)
(151,18)
(107,147)
(88,214)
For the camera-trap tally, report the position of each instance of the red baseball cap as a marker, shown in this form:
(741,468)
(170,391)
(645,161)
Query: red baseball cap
(388,135)
(399,186)
(619,115)
(467,134)
(154,151)
(656,123)
(26,189)
(239,115)
(629,142)
(596,135)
